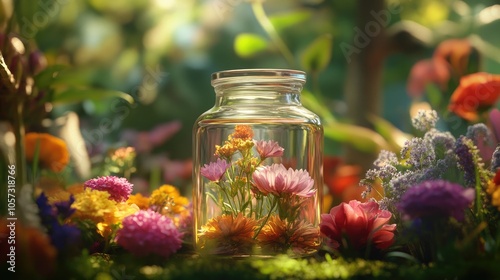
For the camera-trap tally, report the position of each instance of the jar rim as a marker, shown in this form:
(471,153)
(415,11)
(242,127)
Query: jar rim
(260,73)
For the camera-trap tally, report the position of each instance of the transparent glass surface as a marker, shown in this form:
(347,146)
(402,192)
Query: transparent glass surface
(257,167)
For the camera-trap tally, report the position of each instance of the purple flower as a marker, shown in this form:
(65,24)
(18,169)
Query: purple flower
(465,159)
(267,149)
(64,207)
(276,179)
(47,213)
(63,236)
(436,198)
(147,232)
(119,189)
(215,170)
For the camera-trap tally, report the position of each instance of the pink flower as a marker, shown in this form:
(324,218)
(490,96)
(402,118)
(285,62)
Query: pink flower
(215,170)
(425,72)
(363,224)
(147,232)
(119,189)
(276,179)
(268,149)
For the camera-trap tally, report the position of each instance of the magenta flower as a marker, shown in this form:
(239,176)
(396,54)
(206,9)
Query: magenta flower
(119,189)
(276,179)
(362,224)
(215,170)
(147,232)
(267,149)
(436,198)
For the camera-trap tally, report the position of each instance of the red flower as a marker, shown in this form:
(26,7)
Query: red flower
(362,224)
(339,177)
(475,92)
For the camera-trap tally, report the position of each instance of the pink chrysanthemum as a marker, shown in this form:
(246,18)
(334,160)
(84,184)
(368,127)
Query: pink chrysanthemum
(215,170)
(147,232)
(276,179)
(119,189)
(267,149)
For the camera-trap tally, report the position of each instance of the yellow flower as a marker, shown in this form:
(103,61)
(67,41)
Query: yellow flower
(494,190)
(53,153)
(228,234)
(94,205)
(168,200)
(113,222)
(138,199)
(239,140)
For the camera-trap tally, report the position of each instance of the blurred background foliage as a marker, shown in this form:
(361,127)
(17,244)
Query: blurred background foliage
(162,52)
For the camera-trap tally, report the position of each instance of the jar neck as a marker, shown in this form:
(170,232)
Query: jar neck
(250,87)
(258,94)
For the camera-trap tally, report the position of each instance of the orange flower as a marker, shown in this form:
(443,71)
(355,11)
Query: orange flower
(493,190)
(53,153)
(138,199)
(476,92)
(228,234)
(278,235)
(243,132)
(456,52)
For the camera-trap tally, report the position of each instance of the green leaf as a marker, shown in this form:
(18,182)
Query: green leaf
(434,95)
(363,139)
(312,103)
(317,55)
(35,15)
(247,44)
(74,95)
(285,20)
(47,76)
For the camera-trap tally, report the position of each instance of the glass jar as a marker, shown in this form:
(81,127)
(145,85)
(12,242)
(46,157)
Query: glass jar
(257,170)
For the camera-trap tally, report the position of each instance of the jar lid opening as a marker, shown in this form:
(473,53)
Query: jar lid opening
(261,74)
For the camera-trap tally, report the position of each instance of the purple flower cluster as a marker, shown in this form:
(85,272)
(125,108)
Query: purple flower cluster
(465,159)
(419,153)
(119,189)
(63,236)
(436,198)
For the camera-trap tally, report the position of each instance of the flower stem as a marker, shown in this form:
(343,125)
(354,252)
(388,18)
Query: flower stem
(260,15)
(275,202)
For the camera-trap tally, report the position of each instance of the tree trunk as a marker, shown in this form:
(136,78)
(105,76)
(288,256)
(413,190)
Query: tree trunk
(364,73)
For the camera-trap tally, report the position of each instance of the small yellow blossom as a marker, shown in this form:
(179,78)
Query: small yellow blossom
(138,199)
(168,199)
(494,190)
